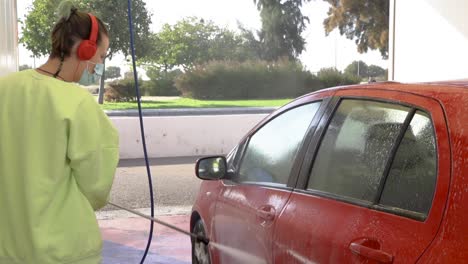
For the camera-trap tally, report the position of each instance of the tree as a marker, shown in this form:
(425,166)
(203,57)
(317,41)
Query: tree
(39,23)
(114,12)
(194,41)
(228,45)
(376,71)
(24,67)
(357,68)
(182,44)
(112,72)
(38,26)
(366,21)
(251,44)
(282,25)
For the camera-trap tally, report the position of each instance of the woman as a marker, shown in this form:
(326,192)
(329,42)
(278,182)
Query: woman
(58,151)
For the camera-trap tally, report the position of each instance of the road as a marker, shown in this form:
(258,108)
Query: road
(174,185)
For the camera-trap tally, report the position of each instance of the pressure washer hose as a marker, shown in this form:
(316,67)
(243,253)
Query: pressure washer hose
(142,129)
(145,152)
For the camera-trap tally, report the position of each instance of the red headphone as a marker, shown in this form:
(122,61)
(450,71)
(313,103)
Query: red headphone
(88,47)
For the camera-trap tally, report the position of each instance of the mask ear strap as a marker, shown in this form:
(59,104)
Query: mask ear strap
(62,58)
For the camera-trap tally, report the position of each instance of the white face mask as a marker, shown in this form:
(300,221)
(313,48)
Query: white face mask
(88,78)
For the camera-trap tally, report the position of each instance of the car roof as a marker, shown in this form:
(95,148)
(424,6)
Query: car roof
(447,93)
(434,90)
(459,83)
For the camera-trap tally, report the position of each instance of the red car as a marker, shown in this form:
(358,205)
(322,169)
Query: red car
(374,173)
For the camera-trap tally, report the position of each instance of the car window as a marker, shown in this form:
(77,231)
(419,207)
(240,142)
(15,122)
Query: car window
(271,151)
(412,178)
(351,158)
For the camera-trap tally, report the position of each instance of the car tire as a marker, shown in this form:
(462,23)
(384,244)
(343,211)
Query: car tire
(200,251)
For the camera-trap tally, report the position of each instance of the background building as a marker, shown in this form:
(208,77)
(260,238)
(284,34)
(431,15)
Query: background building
(9,33)
(428,40)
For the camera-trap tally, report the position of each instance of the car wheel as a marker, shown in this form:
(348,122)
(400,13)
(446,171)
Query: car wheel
(200,251)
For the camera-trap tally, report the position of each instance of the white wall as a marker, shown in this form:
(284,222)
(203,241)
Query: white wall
(175,136)
(9,37)
(430,40)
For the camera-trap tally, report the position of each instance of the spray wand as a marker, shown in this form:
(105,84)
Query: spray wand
(198,237)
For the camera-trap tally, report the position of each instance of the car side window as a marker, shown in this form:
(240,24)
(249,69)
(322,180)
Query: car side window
(357,144)
(412,178)
(270,153)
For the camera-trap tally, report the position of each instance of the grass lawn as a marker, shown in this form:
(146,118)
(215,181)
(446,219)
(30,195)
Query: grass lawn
(192,103)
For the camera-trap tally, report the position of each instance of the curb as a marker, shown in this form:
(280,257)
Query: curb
(192,111)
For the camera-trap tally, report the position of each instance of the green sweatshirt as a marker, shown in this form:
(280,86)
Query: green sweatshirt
(58,155)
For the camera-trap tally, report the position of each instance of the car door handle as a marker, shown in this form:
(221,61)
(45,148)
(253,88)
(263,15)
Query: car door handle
(360,248)
(266,212)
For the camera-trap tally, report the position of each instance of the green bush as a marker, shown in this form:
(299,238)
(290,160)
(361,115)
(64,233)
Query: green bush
(120,91)
(331,77)
(161,83)
(246,80)
(350,79)
(312,83)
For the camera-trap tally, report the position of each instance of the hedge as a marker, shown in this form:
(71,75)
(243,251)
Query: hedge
(246,80)
(161,83)
(232,80)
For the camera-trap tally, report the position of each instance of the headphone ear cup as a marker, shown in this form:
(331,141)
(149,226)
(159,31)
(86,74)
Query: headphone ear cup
(86,50)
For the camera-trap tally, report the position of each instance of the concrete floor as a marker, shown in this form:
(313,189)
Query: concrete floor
(125,235)
(125,240)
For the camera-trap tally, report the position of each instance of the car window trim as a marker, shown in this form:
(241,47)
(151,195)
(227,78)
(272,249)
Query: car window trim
(311,153)
(400,212)
(314,143)
(392,154)
(298,161)
(276,186)
(366,204)
(237,157)
(292,178)
(379,100)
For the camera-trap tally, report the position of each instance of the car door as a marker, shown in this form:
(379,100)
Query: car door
(257,190)
(373,185)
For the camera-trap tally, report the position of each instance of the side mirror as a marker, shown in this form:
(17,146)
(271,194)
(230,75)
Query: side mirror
(211,168)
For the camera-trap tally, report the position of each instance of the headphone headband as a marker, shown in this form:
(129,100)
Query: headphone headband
(94,29)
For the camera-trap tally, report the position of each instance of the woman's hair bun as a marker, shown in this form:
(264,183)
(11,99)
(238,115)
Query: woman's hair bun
(65,9)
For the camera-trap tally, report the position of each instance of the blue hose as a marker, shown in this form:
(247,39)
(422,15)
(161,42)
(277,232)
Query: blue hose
(142,129)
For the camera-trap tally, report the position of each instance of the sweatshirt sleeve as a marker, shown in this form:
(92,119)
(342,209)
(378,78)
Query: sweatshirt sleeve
(93,151)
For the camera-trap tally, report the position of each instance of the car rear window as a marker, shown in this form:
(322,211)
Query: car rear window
(357,144)
(379,153)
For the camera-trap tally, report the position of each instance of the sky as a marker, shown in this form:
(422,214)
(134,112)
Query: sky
(321,51)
